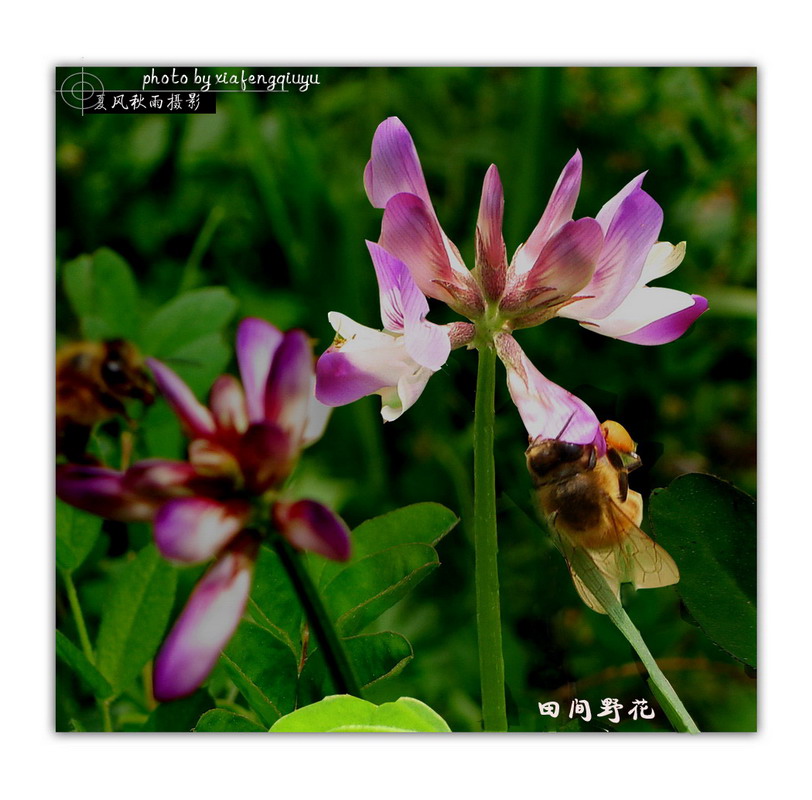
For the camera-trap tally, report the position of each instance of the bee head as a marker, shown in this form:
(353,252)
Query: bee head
(552,460)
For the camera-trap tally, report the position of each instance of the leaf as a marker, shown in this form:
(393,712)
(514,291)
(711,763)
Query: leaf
(264,670)
(201,361)
(709,527)
(376,656)
(274,603)
(364,590)
(343,713)
(134,617)
(179,715)
(76,533)
(426,523)
(218,720)
(187,318)
(103,294)
(73,657)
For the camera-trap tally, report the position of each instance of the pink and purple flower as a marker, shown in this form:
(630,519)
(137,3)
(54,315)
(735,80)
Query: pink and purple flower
(243,446)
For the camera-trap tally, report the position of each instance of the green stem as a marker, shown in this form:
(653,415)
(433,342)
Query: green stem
(669,700)
(320,623)
(78,617)
(84,640)
(489,623)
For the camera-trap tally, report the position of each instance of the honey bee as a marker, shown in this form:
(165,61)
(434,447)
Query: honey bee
(93,379)
(589,507)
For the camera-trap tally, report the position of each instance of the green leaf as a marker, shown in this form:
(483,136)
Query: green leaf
(187,318)
(425,523)
(200,362)
(343,713)
(73,657)
(179,715)
(103,294)
(274,603)
(376,656)
(709,527)
(219,720)
(264,670)
(135,616)
(76,533)
(364,590)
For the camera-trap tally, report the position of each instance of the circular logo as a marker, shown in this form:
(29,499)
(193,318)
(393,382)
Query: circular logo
(80,89)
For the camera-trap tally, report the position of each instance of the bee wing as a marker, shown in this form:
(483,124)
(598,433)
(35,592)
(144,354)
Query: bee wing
(603,562)
(640,560)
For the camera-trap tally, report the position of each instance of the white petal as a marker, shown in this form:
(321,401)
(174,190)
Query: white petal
(643,306)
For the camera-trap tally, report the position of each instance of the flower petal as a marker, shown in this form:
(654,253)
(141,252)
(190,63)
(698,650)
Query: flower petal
(394,166)
(491,258)
(195,418)
(400,298)
(427,344)
(411,233)
(609,209)
(666,329)
(318,415)
(204,627)
(628,240)
(290,384)
(103,492)
(160,478)
(399,399)
(257,342)
(547,410)
(193,529)
(568,260)
(662,259)
(309,525)
(267,455)
(558,211)
(227,403)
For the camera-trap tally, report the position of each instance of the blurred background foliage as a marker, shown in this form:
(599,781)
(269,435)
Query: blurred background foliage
(266,199)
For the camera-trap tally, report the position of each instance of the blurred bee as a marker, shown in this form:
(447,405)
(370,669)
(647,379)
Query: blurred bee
(93,379)
(589,506)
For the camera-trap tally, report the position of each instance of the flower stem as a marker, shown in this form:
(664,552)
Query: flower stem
(489,623)
(337,662)
(78,617)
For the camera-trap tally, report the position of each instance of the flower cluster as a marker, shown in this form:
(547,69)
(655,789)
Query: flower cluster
(243,446)
(593,270)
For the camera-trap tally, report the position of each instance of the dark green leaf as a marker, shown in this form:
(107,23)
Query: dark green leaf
(274,603)
(264,670)
(424,523)
(709,527)
(179,715)
(219,720)
(200,362)
(375,656)
(76,533)
(364,590)
(73,657)
(187,318)
(346,714)
(103,294)
(134,617)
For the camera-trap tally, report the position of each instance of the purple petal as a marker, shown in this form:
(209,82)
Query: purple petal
(103,492)
(227,403)
(267,455)
(195,417)
(159,478)
(568,260)
(629,238)
(558,211)
(669,328)
(547,410)
(193,529)
(309,525)
(203,628)
(410,232)
(400,298)
(317,416)
(609,209)
(290,384)
(340,381)
(394,166)
(257,342)
(491,256)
